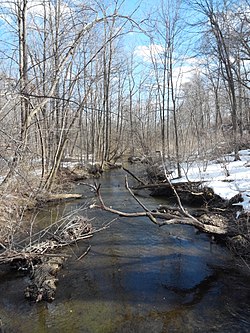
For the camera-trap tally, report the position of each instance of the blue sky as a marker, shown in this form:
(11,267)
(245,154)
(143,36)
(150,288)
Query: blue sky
(134,41)
(143,45)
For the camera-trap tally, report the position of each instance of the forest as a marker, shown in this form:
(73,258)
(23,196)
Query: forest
(74,86)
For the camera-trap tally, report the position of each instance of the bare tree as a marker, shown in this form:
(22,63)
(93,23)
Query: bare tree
(48,86)
(219,28)
(167,63)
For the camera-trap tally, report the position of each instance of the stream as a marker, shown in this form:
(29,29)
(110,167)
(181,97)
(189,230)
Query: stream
(136,278)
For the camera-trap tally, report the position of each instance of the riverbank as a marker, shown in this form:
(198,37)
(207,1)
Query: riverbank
(23,195)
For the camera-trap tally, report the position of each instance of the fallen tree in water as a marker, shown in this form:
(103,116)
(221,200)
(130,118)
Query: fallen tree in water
(220,221)
(175,216)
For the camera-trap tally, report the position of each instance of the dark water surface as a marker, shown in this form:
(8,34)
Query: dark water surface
(136,278)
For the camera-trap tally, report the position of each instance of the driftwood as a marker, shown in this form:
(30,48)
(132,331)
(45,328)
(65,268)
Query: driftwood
(58,235)
(58,197)
(38,254)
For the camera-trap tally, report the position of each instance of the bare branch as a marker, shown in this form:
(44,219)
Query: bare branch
(155,217)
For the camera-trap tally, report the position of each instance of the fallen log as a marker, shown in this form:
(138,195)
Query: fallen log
(166,185)
(54,198)
(223,225)
(192,193)
(63,196)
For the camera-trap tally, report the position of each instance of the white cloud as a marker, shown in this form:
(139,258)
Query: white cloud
(183,70)
(147,53)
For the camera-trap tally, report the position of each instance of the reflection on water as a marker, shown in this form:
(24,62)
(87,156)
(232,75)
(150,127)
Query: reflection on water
(136,278)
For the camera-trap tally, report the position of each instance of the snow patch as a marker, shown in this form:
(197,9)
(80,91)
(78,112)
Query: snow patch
(227,177)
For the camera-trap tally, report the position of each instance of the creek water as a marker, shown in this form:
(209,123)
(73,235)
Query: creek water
(136,278)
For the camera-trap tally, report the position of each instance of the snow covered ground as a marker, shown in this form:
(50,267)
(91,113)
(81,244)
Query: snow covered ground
(226,176)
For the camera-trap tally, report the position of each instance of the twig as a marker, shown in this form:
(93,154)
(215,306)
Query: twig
(84,254)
